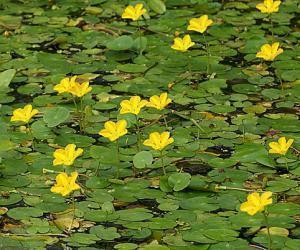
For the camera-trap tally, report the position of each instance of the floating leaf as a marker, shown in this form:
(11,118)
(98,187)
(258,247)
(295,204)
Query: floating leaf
(55,116)
(6,77)
(142,159)
(120,43)
(179,181)
(157,6)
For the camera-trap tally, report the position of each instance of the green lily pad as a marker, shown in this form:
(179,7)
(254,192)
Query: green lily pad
(142,159)
(179,181)
(21,213)
(120,43)
(55,116)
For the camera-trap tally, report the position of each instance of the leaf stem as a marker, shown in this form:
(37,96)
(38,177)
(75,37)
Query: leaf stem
(162,162)
(140,38)
(286,164)
(77,112)
(208,55)
(31,235)
(268,230)
(73,215)
(272,32)
(189,66)
(118,158)
(82,116)
(31,136)
(217,187)
(138,133)
(165,121)
(188,118)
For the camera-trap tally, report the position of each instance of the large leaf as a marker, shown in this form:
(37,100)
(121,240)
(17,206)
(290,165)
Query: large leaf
(157,6)
(6,77)
(120,43)
(55,116)
(179,181)
(253,152)
(142,159)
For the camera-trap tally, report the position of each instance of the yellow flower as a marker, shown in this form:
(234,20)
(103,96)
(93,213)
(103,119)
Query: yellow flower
(80,90)
(268,6)
(280,147)
(70,85)
(67,155)
(159,102)
(200,24)
(65,84)
(269,52)
(134,12)
(256,203)
(159,141)
(182,44)
(114,130)
(133,105)
(23,114)
(65,184)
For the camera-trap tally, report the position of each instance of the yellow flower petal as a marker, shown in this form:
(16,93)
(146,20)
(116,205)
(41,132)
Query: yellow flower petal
(289,143)
(182,44)
(269,52)
(134,12)
(23,114)
(266,198)
(133,105)
(159,102)
(256,203)
(114,131)
(280,147)
(268,6)
(65,184)
(158,141)
(200,24)
(67,155)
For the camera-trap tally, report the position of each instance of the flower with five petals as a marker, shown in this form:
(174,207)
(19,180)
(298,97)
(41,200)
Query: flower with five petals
(134,12)
(133,105)
(182,44)
(159,102)
(281,147)
(269,52)
(256,203)
(158,141)
(268,6)
(70,85)
(200,24)
(65,184)
(114,130)
(67,155)
(65,84)
(80,89)
(23,114)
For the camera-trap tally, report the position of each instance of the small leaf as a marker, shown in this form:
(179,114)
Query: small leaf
(109,233)
(55,116)
(120,43)
(140,44)
(142,159)
(6,77)
(108,207)
(179,181)
(157,6)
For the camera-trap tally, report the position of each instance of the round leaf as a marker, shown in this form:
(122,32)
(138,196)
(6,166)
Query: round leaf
(120,43)
(142,159)
(179,181)
(55,116)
